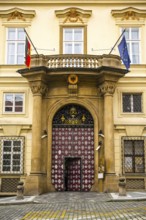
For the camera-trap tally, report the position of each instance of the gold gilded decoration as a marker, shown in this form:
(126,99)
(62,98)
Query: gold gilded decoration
(73,16)
(73,79)
(16,14)
(73,120)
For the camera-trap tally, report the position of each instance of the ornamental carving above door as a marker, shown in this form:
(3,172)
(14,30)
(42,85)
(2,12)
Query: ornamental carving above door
(73,149)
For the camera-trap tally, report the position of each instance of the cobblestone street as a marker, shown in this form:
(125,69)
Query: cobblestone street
(74,206)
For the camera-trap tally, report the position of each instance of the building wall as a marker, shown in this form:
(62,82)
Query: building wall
(103,30)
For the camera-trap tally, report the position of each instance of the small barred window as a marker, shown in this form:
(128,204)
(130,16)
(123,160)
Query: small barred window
(12,154)
(134,156)
(132,102)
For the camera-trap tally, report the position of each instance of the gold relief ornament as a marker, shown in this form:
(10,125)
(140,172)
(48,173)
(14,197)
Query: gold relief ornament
(73,120)
(73,79)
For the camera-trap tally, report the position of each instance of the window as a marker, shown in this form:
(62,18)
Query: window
(15,45)
(132,102)
(133,43)
(134,156)
(13,103)
(12,155)
(73,40)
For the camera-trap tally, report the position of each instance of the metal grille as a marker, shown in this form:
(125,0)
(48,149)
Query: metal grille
(11,154)
(9,184)
(134,156)
(135,184)
(73,115)
(132,102)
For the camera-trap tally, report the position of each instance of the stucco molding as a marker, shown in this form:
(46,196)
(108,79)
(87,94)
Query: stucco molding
(129,13)
(73,15)
(17,15)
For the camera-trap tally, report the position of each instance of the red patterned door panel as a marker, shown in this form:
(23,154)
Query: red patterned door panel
(75,142)
(72,174)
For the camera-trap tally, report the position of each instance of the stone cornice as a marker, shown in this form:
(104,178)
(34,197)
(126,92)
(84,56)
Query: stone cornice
(89,2)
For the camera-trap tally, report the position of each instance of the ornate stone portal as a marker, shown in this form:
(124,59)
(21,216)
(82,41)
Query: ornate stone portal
(92,87)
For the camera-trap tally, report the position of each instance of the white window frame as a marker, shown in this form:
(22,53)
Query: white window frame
(16,43)
(130,41)
(73,42)
(12,152)
(13,106)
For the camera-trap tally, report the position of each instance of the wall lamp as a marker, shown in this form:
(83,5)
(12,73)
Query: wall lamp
(99,145)
(44,134)
(101,133)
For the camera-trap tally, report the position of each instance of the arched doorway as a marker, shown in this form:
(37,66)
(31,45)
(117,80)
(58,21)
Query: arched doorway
(73,149)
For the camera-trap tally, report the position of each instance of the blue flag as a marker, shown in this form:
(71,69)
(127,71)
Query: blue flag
(123,50)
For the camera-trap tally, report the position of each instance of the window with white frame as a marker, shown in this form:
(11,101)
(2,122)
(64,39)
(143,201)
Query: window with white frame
(13,102)
(133,155)
(132,36)
(132,102)
(12,154)
(73,40)
(15,45)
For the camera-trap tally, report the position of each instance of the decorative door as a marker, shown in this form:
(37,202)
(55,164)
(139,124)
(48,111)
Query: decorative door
(73,139)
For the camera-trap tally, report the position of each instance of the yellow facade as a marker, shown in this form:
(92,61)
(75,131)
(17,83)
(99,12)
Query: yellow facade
(94,79)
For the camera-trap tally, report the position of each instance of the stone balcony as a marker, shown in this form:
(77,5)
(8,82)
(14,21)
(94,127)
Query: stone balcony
(90,67)
(75,61)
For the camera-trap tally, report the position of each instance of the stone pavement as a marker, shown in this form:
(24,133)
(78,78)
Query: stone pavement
(75,206)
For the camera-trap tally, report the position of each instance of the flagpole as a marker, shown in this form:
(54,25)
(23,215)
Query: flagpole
(117,40)
(31,41)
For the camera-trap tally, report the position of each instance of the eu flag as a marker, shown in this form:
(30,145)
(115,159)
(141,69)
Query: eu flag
(123,50)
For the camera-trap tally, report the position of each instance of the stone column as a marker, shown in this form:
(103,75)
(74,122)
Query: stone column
(38,91)
(107,89)
(36,182)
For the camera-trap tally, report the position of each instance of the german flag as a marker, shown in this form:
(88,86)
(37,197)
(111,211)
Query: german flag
(27,53)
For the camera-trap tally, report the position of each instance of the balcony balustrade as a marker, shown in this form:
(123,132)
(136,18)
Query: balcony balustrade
(76,61)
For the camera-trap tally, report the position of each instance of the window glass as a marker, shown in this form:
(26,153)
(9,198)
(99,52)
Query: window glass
(78,48)
(135,34)
(68,48)
(21,34)
(11,34)
(78,35)
(68,36)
